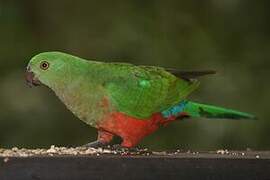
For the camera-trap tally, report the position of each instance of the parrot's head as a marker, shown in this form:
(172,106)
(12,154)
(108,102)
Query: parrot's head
(48,68)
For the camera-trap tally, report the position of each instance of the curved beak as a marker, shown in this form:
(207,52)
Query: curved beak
(30,78)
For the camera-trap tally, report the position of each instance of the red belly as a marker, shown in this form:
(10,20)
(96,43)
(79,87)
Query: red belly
(130,129)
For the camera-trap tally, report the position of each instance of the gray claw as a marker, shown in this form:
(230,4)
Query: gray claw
(95,144)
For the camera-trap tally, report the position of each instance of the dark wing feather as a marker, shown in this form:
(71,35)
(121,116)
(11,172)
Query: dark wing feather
(188,75)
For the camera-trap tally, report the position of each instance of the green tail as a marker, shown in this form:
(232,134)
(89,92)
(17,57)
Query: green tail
(194,109)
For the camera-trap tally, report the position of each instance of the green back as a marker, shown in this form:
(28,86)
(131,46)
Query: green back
(140,91)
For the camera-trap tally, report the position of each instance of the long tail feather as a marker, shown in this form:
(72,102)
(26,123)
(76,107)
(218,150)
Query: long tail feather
(193,109)
(188,75)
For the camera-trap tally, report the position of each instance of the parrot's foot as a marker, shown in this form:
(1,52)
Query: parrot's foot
(104,139)
(95,144)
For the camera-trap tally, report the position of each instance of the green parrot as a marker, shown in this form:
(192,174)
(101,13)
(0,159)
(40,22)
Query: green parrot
(121,99)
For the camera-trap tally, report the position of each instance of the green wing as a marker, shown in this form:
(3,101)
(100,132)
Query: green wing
(140,91)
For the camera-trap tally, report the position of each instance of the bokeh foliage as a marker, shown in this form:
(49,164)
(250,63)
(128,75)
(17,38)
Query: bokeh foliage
(230,36)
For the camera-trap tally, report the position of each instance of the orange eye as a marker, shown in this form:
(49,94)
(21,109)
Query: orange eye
(44,65)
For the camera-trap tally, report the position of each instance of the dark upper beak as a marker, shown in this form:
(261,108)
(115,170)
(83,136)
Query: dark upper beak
(30,78)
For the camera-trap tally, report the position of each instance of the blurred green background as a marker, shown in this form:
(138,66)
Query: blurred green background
(230,36)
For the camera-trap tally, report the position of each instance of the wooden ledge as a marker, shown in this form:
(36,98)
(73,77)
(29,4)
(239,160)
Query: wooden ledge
(251,165)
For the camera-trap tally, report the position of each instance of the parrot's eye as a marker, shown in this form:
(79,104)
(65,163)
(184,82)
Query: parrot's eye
(44,65)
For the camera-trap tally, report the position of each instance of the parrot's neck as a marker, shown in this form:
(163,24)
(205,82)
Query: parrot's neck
(80,90)
(79,71)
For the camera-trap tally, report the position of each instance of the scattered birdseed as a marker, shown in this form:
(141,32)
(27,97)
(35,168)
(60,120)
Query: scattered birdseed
(221,151)
(56,151)
(6,159)
(119,151)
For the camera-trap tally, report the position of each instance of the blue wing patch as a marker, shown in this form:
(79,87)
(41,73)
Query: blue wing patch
(175,110)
